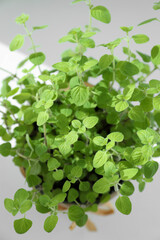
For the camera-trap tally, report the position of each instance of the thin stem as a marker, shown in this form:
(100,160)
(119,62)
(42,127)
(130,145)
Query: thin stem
(10,73)
(45,134)
(154,69)
(129,51)
(90,16)
(114,68)
(33,45)
(27,158)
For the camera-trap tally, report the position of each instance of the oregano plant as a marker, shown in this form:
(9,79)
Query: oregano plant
(79,143)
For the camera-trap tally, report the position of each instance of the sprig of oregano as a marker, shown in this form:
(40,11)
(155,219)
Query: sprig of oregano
(77,144)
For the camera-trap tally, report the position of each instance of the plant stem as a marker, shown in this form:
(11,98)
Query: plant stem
(33,45)
(129,51)
(114,68)
(154,69)
(90,16)
(45,138)
(10,73)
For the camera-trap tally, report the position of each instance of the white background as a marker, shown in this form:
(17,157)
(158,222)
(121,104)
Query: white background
(143,223)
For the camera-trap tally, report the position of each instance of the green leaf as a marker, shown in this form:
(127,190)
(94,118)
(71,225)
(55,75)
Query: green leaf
(105,61)
(127,29)
(141,155)
(62,66)
(53,164)
(42,118)
(128,68)
(58,175)
(123,204)
(44,200)
(73,194)
(116,137)
(121,106)
(99,141)
(129,173)
(156,102)
(40,27)
(17,42)
(76,172)
(50,223)
(76,123)
(12,92)
(5,149)
(148,21)
(26,206)
(89,64)
(84,186)
(76,1)
(66,186)
(145,136)
(110,169)
(136,114)
(71,137)
(22,225)
(155,54)
(11,206)
(101,186)
(150,169)
(75,213)
(127,189)
(59,198)
(141,186)
(79,95)
(22,19)
(33,180)
(147,104)
(145,57)
(90,122)
(21,195)
(82,221)
(100,159)
(88,43)
(101,13)
(156,5)
(140,38)
(64,148)
(128,91)
(37,58)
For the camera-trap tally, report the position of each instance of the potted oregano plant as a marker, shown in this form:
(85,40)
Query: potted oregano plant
(76,143)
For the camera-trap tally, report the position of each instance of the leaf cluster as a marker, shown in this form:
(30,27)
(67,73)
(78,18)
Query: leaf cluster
(76,142)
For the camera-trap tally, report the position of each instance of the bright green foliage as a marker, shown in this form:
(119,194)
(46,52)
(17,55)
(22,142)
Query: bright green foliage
(22,19)
(75,213)
(116,137)
(42,118)
(90,122)
(37,58)
(79,95)
(156,5)
(100,159)
(123,204)
(50,223)
(101,186)
(148,21)
(127,189)
(101,13)
(127,174)
(22,225)
(17,42)
(105,61)
(78,143)
(150,168)
(140,38)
